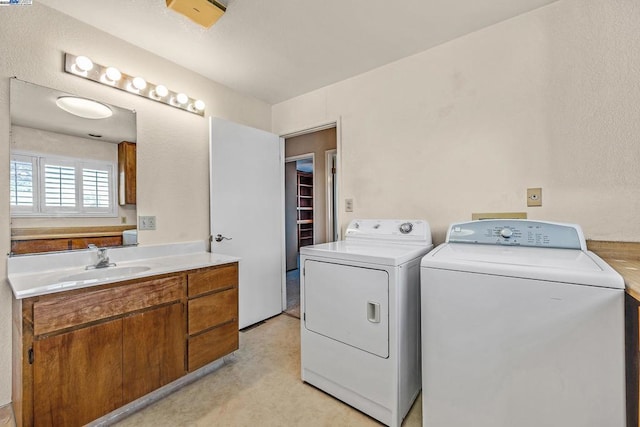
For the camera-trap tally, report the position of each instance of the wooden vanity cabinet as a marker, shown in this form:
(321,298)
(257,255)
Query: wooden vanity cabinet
(212,322)
(81,354)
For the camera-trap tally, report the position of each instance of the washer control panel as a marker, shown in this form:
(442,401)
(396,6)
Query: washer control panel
(394,230)
(518,232)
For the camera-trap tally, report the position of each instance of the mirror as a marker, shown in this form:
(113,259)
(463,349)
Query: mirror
(69,174)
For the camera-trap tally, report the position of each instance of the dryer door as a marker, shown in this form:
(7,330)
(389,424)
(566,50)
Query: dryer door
(349,304)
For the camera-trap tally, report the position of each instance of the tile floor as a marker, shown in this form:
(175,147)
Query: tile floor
(259,385)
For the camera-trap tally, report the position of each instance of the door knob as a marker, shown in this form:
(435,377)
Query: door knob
(220,238)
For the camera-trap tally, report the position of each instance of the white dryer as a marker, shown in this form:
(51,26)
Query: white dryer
(360,316)
(521,326)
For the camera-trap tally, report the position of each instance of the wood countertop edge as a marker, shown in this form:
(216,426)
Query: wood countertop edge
(623,257)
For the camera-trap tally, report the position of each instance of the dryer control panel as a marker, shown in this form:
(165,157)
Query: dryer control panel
(518,232)
(405,231)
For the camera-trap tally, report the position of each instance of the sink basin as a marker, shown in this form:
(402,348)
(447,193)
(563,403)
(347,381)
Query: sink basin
(105,273)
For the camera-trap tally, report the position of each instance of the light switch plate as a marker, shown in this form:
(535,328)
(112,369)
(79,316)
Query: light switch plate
(348,205)
(146,223)
(534,197)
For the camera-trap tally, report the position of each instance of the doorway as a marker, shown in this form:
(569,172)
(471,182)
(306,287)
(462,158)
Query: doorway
(299,219)
(310,201)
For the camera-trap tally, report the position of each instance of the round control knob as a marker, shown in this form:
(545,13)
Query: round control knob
(506,233)
(406,227)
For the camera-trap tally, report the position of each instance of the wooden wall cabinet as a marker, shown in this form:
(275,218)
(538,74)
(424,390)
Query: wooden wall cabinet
(127,173)
(305,208)
(81,354)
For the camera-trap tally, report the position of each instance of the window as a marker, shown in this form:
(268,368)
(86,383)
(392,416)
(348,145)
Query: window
(61,186)
(21,182)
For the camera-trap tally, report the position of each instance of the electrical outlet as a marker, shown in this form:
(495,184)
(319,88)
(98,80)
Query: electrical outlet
(146,222)
(534,196)
(123,219)
(348,205)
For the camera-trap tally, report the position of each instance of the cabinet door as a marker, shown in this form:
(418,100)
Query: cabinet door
(154,349)
(127,173)
(78,375)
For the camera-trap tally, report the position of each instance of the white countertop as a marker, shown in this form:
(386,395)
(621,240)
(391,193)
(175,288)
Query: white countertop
(42,274)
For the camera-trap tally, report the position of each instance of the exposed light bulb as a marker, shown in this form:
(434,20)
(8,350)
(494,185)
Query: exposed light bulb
(113,74)
(181,98)
(139,83)
(199,105)
(161,91)
(83,63)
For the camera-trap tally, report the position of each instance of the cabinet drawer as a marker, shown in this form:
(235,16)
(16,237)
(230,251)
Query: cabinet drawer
(211,310)
(212,345)
(66,312)
(212,279)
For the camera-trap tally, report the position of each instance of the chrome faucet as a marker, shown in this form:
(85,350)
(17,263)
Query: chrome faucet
(103,259)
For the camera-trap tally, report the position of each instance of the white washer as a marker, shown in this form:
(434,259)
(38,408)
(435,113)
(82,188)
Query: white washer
(521,326)
(360,322)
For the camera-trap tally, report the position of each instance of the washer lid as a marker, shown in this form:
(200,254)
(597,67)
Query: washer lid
(372,252)
(549,264)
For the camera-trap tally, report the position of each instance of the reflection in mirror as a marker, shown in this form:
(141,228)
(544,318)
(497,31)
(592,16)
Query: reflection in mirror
(72,178)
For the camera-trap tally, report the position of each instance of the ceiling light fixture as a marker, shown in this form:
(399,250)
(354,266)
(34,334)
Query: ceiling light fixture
(83,107)
(202,12)
(84,67)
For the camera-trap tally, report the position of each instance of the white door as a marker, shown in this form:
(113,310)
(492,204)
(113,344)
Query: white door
(247,208)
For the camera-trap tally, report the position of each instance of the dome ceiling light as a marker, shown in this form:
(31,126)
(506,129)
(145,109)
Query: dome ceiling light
(83,107)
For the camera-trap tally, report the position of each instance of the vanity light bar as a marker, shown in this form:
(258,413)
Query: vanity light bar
(84,67)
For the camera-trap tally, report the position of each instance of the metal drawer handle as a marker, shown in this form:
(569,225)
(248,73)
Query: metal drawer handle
(373,312)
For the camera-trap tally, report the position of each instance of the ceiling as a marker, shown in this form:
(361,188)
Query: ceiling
(278,49)
(34,106)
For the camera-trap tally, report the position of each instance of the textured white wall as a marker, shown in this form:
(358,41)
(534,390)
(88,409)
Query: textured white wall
(548,99)
(172,144)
